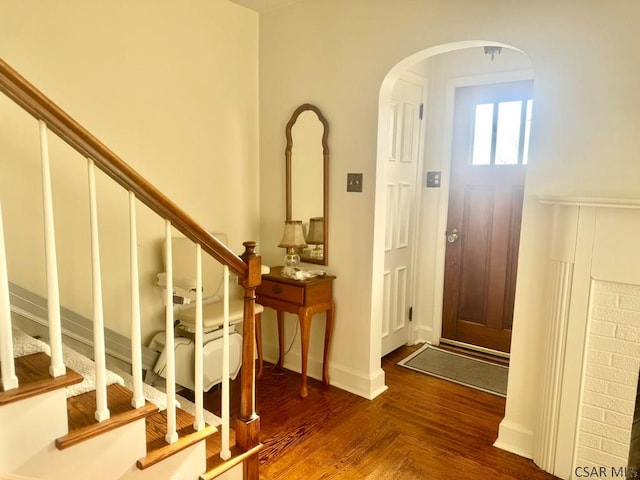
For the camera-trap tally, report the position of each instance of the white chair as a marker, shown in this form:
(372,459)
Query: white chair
(184,295)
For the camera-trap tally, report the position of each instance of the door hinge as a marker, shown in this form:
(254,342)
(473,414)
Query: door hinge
(410,314)
(421,113)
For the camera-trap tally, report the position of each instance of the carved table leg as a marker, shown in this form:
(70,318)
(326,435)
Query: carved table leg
(305,315)
(327,343)
(280,363)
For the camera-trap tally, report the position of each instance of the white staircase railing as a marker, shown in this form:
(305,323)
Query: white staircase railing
(225,452)
(99,357)
(246,267)
(137,400)
(198,423)
(53,292)
(172,435)
(9,378)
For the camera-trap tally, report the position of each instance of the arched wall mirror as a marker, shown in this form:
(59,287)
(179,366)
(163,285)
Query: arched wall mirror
(307,179)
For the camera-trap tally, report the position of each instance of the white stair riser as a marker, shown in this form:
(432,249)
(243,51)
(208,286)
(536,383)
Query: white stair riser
(30,426)
(106,457)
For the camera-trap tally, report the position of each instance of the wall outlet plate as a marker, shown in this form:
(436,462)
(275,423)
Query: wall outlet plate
(354,182)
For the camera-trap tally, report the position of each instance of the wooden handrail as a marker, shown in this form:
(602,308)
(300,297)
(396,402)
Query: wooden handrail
(42,108)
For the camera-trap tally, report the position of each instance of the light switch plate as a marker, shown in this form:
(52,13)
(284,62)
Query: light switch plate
(354,182)
(433,179)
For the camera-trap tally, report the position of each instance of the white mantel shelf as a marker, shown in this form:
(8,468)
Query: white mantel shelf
(600,202)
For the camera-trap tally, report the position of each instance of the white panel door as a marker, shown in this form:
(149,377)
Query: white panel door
(405,127)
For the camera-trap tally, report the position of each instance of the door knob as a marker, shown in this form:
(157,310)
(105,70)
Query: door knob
(453,236)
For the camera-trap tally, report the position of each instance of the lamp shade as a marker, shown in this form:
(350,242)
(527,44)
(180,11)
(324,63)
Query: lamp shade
(293,236)
(316,231)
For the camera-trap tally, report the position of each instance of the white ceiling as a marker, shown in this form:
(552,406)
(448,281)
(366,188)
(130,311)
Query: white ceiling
(262,6)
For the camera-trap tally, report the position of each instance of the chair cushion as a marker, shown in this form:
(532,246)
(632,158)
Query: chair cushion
(213,314)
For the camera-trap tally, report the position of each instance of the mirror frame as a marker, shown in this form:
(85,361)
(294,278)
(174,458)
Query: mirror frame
(325,159)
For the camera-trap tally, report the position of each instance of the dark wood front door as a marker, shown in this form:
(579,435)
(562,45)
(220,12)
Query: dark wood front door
(489,156)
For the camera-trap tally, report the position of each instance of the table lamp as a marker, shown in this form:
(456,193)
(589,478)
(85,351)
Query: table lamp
(292,238)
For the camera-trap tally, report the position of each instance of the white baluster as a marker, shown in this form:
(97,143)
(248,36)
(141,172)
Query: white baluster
(57,367)
(172,434)
(199,387)
(9,378)
(102,411)
(225,452)
(137,400)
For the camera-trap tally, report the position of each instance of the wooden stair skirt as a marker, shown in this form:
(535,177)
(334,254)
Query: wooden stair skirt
(34,379)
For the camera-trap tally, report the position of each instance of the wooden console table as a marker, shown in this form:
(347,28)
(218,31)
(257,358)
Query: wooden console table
(304,298)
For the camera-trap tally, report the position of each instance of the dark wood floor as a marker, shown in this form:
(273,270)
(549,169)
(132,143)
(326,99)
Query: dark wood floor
(420,428)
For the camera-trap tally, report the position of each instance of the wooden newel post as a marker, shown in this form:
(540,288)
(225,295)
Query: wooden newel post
(248,425)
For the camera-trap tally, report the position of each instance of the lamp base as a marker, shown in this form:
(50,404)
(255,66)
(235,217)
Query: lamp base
(291,259)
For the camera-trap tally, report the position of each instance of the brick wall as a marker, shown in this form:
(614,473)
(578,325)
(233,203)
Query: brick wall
(611,376)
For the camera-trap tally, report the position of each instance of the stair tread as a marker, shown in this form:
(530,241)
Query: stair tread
(81,410)
(157,447)
(34,378)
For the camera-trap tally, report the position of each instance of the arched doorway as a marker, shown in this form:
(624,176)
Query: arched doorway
(452,71)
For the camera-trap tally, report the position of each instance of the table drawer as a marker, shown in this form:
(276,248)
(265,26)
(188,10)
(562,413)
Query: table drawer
(281,291)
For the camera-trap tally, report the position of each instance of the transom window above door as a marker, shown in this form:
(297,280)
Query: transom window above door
(501,133)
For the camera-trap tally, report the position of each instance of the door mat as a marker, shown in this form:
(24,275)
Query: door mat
(470,372)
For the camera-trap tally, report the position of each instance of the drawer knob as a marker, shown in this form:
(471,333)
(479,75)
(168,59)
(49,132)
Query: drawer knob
(276,289)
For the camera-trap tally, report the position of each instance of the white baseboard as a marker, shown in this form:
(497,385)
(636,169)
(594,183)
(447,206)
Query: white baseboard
(369,386)
(515,439)
(422,334)
(366,386)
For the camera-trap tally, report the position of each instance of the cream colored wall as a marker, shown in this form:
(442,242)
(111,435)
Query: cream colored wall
(171,88)
(336,54)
